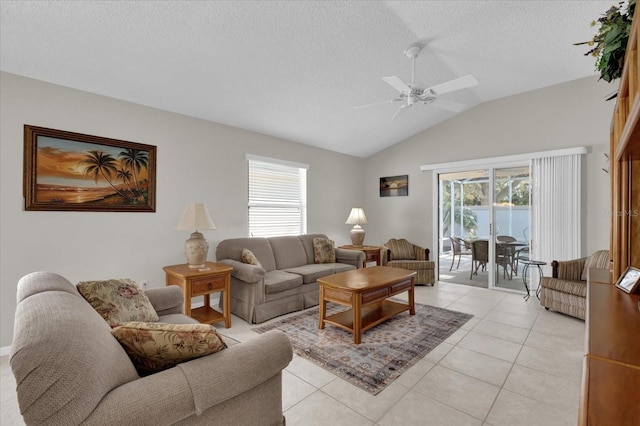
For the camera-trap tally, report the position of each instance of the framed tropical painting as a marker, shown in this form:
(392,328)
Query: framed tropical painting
(77,172)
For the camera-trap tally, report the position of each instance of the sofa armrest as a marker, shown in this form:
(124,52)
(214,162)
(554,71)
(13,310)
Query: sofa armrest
(244,271)
(351,257)
(166,300)
(237,369)
(192,387)
(421,253)
(570,270)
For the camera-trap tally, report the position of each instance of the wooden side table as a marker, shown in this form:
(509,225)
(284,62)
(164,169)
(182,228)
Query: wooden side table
(213,278)
(371,253)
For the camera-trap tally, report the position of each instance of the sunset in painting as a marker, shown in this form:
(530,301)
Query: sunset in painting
(71,172)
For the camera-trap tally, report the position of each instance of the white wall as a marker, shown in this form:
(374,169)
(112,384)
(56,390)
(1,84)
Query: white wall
(566,115)
(203,161)
(197,161)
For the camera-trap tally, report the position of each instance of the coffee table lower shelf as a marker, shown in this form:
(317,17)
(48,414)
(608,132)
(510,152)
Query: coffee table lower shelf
(371,315)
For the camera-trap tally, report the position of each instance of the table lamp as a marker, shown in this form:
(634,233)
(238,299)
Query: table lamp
(196,216)
(357,218)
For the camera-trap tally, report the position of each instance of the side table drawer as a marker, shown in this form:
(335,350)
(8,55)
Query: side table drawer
(371,256)
(206,285)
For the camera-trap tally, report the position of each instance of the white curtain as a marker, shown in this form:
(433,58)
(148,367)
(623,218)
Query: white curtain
(555,221)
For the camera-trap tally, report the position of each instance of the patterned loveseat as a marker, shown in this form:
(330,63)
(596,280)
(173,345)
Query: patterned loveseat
(405,255)
(566,290)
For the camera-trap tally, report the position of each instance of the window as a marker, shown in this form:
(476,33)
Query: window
(277,197)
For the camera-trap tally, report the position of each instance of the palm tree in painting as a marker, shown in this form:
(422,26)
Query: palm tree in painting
(98,163)
(125,176)
(135,160)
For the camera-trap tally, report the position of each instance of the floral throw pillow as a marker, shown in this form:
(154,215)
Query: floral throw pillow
(118,300)
(250,258)
(155,346)
(323,251)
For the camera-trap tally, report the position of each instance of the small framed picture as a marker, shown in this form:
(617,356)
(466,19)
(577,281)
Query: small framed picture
(629,280)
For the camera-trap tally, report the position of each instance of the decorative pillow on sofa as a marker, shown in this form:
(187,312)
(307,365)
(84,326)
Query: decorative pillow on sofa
(118,300)
(155,346)
(323,251)
(250,258)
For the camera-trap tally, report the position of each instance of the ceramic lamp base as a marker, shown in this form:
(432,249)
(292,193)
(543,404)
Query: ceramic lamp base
(357,235)
(196,249)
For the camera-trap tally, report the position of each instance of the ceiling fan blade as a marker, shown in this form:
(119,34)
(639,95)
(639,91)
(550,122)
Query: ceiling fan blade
(389,101)
(397,84)
(448,105)
(453,85)
(400,109)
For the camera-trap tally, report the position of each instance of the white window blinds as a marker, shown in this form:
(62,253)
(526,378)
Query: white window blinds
(277,197)
(556,212)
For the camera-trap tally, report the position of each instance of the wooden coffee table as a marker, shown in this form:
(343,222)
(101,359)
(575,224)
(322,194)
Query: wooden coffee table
(366,292)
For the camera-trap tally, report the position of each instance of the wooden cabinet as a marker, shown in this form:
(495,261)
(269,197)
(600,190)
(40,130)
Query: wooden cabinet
(611,369)
(213,278)
(624,158)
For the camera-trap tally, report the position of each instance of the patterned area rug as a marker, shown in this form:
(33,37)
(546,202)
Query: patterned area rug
(386,351)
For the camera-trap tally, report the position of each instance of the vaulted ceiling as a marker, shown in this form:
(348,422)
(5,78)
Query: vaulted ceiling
(295,69)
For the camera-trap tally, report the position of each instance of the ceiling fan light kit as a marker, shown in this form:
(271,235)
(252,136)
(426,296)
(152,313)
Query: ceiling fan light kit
(416,92)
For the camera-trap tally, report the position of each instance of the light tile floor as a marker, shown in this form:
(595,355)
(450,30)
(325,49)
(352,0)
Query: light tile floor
(512,364)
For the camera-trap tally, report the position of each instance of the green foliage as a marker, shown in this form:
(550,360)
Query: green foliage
(474,195)
(610,42)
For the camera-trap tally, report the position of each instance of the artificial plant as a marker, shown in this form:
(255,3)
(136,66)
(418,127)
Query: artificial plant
(610,42)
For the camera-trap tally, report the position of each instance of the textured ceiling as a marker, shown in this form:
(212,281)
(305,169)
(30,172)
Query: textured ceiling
(296,69)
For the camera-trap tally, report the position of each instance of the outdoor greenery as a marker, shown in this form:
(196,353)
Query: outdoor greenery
(476,194)
(610,42)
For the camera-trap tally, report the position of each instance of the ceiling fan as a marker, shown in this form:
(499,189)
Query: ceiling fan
(416,92)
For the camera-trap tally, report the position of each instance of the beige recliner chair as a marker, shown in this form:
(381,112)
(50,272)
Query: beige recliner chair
(71,370)
(405,255)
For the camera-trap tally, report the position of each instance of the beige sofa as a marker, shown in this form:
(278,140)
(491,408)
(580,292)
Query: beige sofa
(286,281)
(69,369)
(566,290)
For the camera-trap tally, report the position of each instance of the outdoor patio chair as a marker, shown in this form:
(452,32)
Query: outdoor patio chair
(459,248)
(479,256)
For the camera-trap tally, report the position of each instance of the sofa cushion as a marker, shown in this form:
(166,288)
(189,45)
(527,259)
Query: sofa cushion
(250,258)
(341,267)
(401,249)
(324,250)
(311,273)
(577,288)
(412,264)
(118,300)
(599,259)
(277,281)
(154,346)
(288,252)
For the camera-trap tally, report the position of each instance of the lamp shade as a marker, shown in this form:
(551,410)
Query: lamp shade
(356,217)
(195,217)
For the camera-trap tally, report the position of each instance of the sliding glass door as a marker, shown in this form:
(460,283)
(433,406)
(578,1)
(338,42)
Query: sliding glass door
(483,226)
(465,216)
(511,219)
